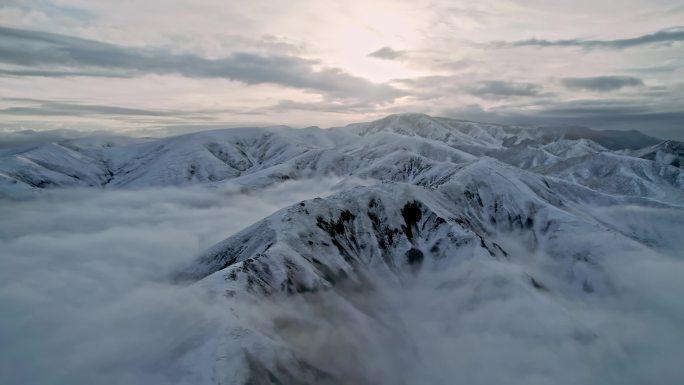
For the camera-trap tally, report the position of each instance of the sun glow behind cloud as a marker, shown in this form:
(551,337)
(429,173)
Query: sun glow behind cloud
(367,27)
(438,57)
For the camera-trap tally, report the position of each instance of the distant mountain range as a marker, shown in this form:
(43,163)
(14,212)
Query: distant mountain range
(255,157)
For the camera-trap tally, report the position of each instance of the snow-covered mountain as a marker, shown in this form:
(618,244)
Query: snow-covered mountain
(670,152)
(382,282)
(546,241)
(415,145)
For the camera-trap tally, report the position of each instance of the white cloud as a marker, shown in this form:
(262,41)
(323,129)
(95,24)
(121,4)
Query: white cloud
(439,35)
(480,321)
(83,277)
(84,300)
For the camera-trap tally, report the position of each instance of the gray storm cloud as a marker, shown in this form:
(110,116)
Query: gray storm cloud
(387,53)
(40,49)
(666,36)
(602,83)
(498,89)
(70,109)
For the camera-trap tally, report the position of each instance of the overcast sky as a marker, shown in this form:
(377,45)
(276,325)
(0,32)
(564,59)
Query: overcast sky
(160,66)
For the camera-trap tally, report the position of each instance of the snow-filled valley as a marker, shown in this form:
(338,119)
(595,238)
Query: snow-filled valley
(408,250)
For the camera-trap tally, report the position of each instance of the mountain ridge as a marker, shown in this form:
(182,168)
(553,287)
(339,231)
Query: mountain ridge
(260,156)
(436,222)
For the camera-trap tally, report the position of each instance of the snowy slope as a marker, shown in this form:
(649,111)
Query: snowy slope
(472,214)
(670,152)
(381,240)
(621,175)
(464,237)
(188,159)
(573,148)
(404,147)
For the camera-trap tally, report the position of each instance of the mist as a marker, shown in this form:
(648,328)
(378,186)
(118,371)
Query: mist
(84,277)
(481,322)
(86,299)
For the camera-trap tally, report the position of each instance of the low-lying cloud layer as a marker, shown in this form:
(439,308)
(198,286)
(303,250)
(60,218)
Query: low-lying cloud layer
(85,299)
(481,321)
(84,287)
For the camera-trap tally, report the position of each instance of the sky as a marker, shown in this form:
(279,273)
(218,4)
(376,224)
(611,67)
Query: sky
(167,66)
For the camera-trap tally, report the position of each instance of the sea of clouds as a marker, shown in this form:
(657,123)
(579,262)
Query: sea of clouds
(85,298)
(480,322)
(84,289)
